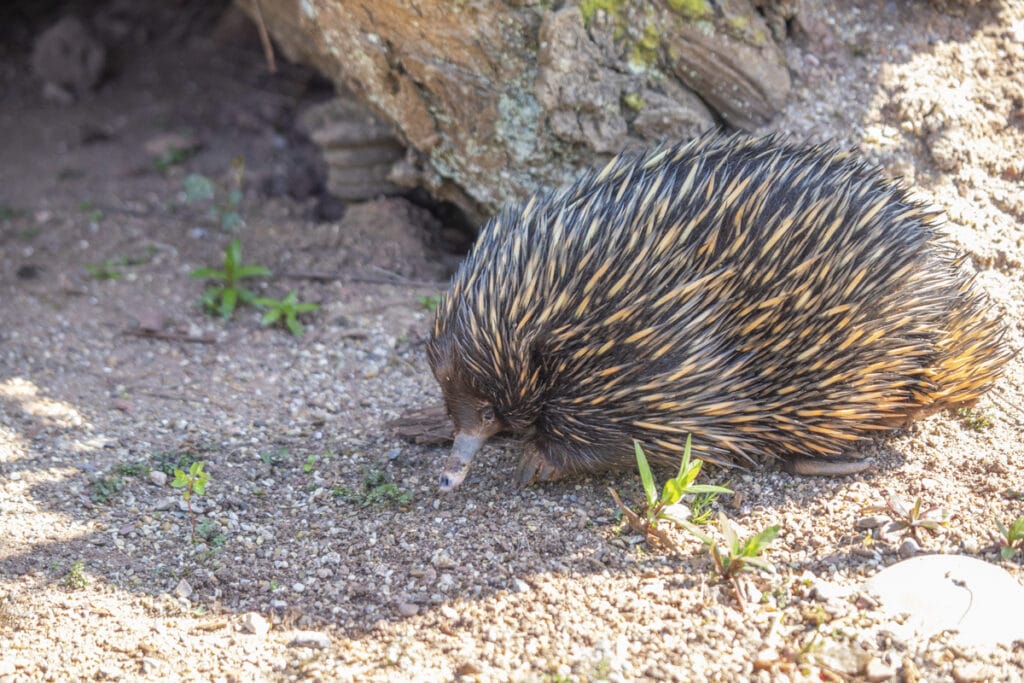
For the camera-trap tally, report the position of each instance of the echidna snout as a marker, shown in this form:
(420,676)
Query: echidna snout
(459,460)
(475,422)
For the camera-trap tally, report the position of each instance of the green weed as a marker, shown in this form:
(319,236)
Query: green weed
(668,506)
(285,311)
(1012,540)
(223,298)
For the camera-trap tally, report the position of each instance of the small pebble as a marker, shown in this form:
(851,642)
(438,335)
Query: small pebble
(183,589)
(971,672)
(253,622)
(877,671)
(158,478)
(909,548)
(871,521)
(314,639)
(408,609)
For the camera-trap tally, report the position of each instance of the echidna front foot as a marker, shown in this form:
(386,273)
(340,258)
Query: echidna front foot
(809,467)
(534,468)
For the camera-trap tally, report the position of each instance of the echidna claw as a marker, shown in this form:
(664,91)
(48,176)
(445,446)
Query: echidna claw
(534,468)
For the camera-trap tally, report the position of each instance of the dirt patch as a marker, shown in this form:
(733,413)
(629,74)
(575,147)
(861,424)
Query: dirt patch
(316,517)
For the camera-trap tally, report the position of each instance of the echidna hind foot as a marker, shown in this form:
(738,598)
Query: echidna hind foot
(825,468)
(534,468)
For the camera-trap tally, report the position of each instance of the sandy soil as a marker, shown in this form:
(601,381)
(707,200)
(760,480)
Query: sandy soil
(324,551)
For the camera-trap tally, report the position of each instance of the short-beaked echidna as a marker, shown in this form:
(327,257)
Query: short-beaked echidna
(773,300)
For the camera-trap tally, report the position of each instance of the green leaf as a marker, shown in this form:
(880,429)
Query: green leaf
(195,468)
(646,476)
(759,562)
(232,257)
(291,298)
(252,271)
(729,531)
(1007,552)
(758,542)
(207,274)
(293,325)
(246,296)
(1016,529)
(180,479)
(672,492)
(306,308)
(228,301)
(271,317)
(199,486)
(707,488)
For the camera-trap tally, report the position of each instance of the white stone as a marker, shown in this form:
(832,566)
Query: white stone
(981,602)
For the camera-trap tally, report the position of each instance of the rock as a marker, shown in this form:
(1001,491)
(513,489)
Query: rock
(877,671)
(497,98)
(909,548)
(408,609)
(158,478)
(68,56)
(766,659)
(978,600)
(253,622)
(442,560)
(849,659)
(824,591)
(311,639)
(973,672)
(165,503)
(183,589)
(871,522)
(358,148)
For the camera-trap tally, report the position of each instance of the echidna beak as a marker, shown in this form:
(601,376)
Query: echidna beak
(457,465)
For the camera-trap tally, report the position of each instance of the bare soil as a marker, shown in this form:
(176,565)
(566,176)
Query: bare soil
(317,518)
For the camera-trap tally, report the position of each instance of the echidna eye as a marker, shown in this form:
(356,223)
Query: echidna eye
(487,414)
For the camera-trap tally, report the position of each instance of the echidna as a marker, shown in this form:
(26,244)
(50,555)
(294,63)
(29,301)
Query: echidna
(773,300)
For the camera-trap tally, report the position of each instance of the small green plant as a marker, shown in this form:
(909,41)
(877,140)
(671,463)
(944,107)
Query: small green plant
(701,507)
(175,156)
(286,311)
(737,555)
(104,271)
(223,298)
(278,457)
(376,490)
(666,507)
(110,269)
(211,533)
(310,463)
(76,579)
(169,461)
(430,302)
(975,419)
(1012,540)
(910,519)
(109,484)
(105,487)
(194,482)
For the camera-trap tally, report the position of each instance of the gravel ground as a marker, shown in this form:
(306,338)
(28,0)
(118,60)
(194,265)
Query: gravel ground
(323,550)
